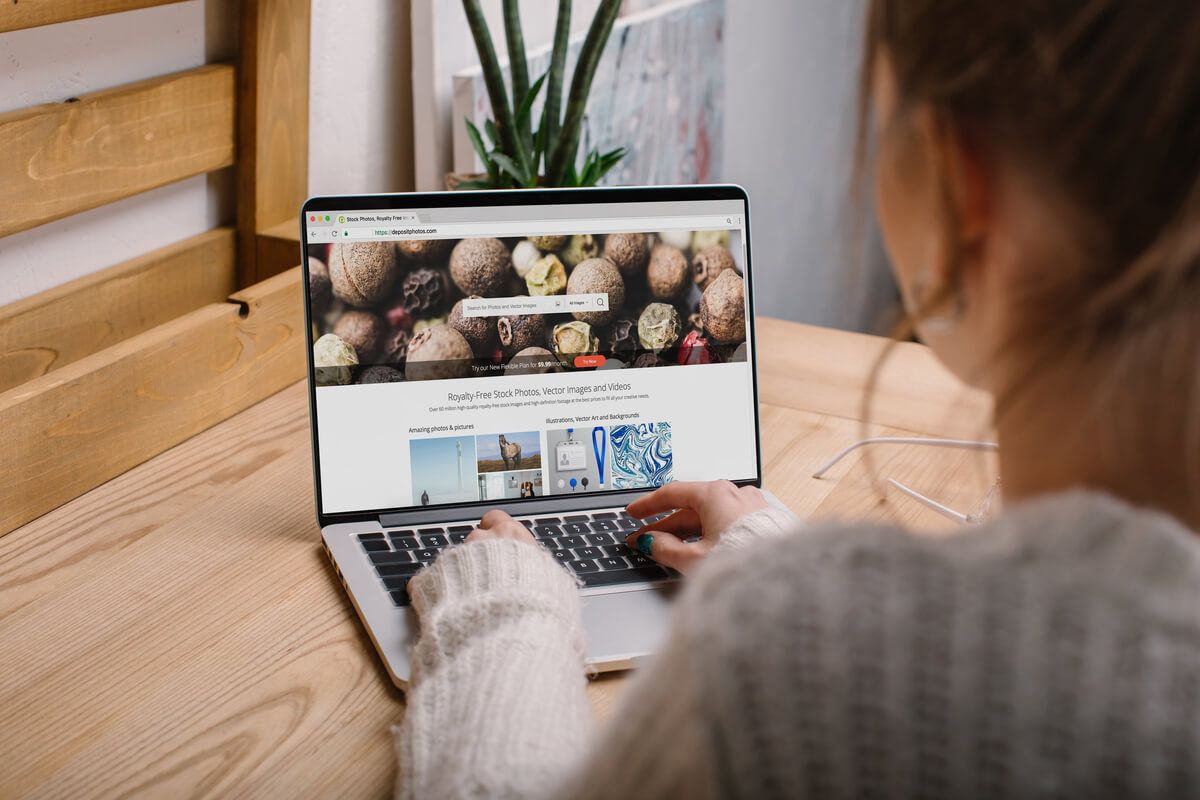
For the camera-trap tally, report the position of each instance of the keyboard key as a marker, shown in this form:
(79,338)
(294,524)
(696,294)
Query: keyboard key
(583,567)
(571,541)
(604,515)
(398,557)
(575,528)
(576,518)
(528,523)
(460,529)
(433,541)
(612,563)
(639,560)
(547,531)
(599,539)
(604,525)
(425,556)
(400,598)
(547,521)
(366,537)
(623,576)
(587,552)
(405,542)
(563,556)
(375,545)
(431,531)
(629,523)
(394,582)
(616,550)
(459,537)
(392,570)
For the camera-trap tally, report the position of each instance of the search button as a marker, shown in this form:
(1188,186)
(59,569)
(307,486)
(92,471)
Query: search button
(583,362)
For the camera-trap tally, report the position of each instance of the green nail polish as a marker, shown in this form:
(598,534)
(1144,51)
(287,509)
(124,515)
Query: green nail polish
(644,543)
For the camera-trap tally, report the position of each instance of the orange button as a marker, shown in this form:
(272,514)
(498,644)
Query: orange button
(588,361)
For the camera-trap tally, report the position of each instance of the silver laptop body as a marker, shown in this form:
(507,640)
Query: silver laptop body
(624,621)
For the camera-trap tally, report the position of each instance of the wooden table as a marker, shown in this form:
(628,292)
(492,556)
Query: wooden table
(178,631)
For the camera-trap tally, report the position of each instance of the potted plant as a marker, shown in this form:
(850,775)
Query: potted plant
(515,154)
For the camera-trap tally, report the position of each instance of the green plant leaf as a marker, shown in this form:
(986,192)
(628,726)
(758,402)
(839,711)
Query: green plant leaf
(510,166)
(489,126)
(477,141)
(527,106)
(466,185)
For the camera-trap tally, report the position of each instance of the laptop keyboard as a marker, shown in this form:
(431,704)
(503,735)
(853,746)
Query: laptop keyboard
(592,546)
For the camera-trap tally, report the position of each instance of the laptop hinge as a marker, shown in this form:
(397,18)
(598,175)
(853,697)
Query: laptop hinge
(523,508)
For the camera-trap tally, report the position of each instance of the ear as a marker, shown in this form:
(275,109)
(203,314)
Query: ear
(965,168)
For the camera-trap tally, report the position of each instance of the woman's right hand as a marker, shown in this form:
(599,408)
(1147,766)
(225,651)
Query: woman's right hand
(704,509)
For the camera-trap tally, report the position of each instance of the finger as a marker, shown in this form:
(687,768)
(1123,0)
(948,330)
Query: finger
(479,533)
(683,523)
(494,518)
(668,549)
(682,494)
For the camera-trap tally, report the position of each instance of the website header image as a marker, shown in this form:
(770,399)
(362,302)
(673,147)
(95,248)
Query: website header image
(436,309)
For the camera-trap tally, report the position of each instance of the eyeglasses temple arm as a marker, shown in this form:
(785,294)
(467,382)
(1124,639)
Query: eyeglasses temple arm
(962,519)
(962,444)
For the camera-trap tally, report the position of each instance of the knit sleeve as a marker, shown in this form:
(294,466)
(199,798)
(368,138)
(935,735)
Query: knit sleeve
(770,521)
(497,696)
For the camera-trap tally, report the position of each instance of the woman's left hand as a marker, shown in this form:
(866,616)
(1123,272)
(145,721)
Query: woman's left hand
(498,525)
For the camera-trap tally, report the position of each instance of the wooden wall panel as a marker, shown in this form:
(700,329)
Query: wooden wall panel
(62,158)
(62,325)
(77,427)
(272,126)
(18,14)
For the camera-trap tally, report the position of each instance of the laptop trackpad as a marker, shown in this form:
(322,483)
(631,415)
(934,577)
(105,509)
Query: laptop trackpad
(623,626)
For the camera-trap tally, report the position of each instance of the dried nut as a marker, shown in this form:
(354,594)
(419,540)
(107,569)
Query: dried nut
(548,276)
(481,266)
(424,291)
(334,361)
(395,347)
(436,353)
(362,330)
(598,275)
(549,244)
(648,360)
(668,271)
(694,350)
(659,326)
(575,339)
(679,239)
(524,255)
(532,361)
(480,332)
(723,308)
(710,262)
(379,374)
(426,324)
(621,336)
(320,288)
(519,332)
(362,273)
(703,239)
(581,247)
(629,252)
(400,317)
(423,251)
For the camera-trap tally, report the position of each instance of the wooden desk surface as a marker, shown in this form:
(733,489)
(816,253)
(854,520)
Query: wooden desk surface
(178,631)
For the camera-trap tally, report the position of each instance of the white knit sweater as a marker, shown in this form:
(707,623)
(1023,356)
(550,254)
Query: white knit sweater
(1052,653)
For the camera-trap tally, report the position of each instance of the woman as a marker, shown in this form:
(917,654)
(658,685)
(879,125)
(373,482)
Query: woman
(1037,178)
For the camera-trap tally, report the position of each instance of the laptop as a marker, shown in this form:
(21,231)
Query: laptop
(552,353)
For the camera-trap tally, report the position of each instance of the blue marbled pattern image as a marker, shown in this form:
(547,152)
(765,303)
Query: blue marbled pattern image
(641,455)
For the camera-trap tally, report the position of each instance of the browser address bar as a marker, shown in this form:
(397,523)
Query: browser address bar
(534,227)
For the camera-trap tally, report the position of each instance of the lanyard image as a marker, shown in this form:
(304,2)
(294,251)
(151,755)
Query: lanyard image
(600,449)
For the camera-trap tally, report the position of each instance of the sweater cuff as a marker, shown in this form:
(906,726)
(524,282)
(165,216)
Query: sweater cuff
(764,523)
(474,568)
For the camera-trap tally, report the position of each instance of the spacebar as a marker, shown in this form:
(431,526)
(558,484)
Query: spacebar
(623,576)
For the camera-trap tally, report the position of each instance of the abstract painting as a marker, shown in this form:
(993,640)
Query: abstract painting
(657,92)
(641,455)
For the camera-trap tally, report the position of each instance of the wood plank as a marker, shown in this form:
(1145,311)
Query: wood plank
(279,246)
(64,324)
(825,371)
(19,14)
(62,158)
(69,431)
(272,172)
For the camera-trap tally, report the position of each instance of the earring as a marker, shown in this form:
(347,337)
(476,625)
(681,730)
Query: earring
(935,323)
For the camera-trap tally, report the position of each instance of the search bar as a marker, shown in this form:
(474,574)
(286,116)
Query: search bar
(536,227)
(522,305)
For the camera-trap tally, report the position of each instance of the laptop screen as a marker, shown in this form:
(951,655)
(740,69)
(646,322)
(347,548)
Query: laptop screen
(469,355)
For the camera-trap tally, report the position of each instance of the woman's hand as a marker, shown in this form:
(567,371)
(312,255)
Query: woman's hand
(498,525)
(704,509)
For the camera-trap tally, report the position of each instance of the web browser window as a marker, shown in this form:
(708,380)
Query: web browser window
(467,355)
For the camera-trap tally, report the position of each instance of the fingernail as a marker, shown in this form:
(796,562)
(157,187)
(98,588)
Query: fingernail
(645,543)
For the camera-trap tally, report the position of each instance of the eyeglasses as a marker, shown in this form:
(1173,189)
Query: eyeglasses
(973,518)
